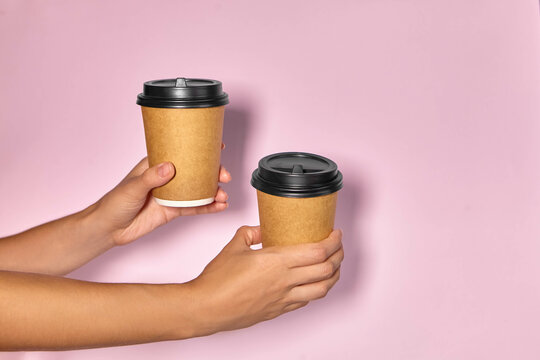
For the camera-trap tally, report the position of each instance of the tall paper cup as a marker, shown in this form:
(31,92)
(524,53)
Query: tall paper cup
(183,124)
(297,196)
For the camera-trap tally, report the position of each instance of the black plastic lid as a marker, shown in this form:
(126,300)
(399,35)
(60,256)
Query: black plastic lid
(182,93)
(297,174)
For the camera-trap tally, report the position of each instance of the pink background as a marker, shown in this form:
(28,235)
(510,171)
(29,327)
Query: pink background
(430,108)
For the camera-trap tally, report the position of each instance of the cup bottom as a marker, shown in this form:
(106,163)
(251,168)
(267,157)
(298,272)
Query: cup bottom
(186,203)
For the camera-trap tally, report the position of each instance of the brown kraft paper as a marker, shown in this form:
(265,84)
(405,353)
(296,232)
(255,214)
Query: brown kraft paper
(288,221)
(191,140)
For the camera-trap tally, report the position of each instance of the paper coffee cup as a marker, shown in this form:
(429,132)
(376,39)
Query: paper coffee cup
(183,124)
(297,196)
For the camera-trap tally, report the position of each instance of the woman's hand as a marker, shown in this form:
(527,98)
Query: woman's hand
(129,211)
(124,214)
(241,286)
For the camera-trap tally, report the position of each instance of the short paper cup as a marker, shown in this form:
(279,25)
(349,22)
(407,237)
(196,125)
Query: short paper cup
(297,196)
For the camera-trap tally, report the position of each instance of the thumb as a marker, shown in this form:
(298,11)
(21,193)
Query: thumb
(155,176)
(244,237)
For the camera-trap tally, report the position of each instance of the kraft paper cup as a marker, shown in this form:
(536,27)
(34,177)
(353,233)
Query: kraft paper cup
(186,131)
(287,221)
(297,197)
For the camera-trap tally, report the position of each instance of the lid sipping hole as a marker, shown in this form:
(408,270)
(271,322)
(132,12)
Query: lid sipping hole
(298,169)
(181,82)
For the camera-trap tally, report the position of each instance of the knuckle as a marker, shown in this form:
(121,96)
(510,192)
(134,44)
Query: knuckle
(271,315)
(327,269)
(341,255)
(337,241)
(284,286)
(318,253)
(321,292)
(326,289)
(242,230)
(146,178)
(131,187)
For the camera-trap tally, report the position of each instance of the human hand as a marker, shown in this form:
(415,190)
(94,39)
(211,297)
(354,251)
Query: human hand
(128,211)
(242,287)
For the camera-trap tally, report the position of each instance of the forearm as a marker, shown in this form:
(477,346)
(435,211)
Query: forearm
(57,247)
(40,312)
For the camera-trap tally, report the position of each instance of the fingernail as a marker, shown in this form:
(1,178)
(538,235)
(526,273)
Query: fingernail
(164,170)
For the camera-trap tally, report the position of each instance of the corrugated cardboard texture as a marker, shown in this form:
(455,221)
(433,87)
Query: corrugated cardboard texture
(288,221)
(191,140)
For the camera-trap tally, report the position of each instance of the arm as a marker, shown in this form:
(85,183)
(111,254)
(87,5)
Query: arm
(57,247)
(121,216)
(239,288)
(46,312)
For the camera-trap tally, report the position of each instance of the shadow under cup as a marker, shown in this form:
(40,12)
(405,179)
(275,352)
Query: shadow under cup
(183,124)
(297,197)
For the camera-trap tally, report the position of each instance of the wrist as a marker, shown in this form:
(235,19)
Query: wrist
(193,311)
(93,225)
(189,318)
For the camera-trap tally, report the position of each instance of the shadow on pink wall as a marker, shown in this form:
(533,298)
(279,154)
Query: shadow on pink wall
(235,135)
(352,202)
